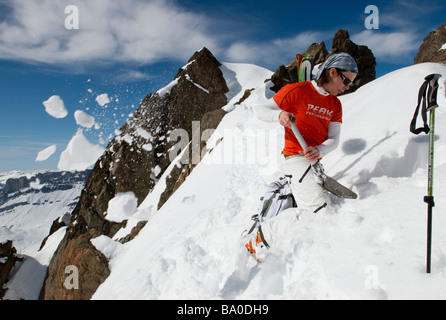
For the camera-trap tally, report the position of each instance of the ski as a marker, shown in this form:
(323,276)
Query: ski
(327,182)
(305,67)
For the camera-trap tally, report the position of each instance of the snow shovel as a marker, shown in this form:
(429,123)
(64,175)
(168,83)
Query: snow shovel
(328,183)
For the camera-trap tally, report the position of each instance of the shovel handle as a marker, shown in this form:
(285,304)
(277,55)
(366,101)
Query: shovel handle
(298,136)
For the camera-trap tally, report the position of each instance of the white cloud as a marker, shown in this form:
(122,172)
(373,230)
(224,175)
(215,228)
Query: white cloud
(132,75)
(83,119)
(389,45)
(141,31)
(79,154)
(46,153)
(274,51)
(55,107)
(109,30)
(148,31)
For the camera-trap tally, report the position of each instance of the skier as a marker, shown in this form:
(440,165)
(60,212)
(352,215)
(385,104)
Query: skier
(318,115)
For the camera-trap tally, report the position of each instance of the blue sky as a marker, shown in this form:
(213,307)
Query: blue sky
(129,48)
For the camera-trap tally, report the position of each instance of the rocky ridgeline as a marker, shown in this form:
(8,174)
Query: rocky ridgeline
(133,161)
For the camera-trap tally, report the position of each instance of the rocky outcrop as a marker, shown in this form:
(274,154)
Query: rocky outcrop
(15,184)
(134,161)
(362,54)
(318,51)
(80,256)
(433,48)
(63,221)
(341,43)
(8,259)
(289,74)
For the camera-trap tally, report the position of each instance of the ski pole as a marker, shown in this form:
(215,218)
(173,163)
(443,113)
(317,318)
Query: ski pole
(429,199)
(427,100)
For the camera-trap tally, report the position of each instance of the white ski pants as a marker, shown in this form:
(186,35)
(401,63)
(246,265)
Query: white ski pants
(309,196)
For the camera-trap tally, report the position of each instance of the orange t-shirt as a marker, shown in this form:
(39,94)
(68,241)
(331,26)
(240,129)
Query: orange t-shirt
(313,112)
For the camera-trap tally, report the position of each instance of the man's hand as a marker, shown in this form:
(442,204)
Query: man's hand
(285,119)
(311,154)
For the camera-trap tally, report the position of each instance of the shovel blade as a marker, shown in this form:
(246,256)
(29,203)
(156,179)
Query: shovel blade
(337,189)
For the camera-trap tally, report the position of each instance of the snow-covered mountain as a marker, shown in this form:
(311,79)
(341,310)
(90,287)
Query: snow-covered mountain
(370,248)
(29,203)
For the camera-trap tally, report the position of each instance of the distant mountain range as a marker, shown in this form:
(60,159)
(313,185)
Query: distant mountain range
(33,205)
(16,187)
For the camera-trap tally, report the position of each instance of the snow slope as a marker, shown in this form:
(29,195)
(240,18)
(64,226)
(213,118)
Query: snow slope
(370,248)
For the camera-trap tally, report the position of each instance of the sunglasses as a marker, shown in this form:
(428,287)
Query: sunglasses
(346,81)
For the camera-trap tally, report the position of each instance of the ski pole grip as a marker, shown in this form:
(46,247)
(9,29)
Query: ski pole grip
(432,94)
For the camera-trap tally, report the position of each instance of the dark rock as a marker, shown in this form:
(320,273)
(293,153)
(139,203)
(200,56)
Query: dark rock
(15,184)
(430,50)
(363,55)
(341,43)
(134,232)
(281,78)
(80,256)
(318,51)
(60,222)
(8,259)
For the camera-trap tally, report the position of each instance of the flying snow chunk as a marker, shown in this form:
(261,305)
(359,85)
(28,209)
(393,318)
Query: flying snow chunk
(55,107)
(79,154)
(102,99)
(122,206)
(83,119)
(46,153)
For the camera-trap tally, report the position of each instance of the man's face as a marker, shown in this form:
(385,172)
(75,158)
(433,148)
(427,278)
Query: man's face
(338,80)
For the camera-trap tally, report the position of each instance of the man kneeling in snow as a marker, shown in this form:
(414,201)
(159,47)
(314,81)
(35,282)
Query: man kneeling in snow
(318,114)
